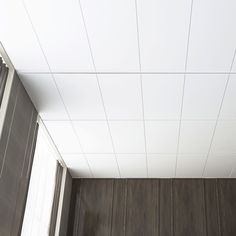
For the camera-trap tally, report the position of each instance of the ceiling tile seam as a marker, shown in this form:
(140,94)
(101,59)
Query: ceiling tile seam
(152,153)
(183,88)
(140,120)
(54,80)
(218,115)
(99,86)
(128,72)
(141,83)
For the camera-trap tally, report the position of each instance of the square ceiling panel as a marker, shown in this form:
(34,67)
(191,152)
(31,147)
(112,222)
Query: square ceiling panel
(195,136)
(162,136)
(163,32)
(44,93)
(103,166)
(190,166)
(161,166)
(128,136)
(122,96)
(64,136)
(162,95)
(61,33)
(81,96)
(212,38)
(203,95)
(18,38)
(111,27)
(228,110)
(94,136)
(224,141)
(132,165)
(219,167)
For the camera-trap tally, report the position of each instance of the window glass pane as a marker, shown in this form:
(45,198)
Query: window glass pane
(41,190)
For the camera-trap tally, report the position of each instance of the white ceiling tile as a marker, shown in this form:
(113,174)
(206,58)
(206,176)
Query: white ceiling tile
(163,30)
(103,167)
(228,110)
(212,40)
(190,166)
(77,164)
(122,96)
(45,96)
(63,136)
(203,95)
(81,96)
(162,96)
(132,165)
(195,136)
(219,167)
(234,66)
(128,136)
(233,173)
(63,39)
(224,140)
(94,136)
(112,33)
(161,166)
(162,136)
(18,38)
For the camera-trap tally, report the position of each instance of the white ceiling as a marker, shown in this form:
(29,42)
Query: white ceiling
(137,88)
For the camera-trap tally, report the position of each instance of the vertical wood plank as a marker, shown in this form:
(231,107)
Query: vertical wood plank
(74,209)
(118,208)
(227,204)
(24,179)
(65,205)
(211,206)
(142,203)
(165,207)
(189,214)
(95,207)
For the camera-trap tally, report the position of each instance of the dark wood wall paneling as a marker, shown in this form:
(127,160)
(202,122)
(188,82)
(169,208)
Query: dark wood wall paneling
(153,207)
(17,145)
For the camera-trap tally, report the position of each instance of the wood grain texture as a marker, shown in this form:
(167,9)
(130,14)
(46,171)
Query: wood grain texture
(212,208)
(95,207)
(119,207)
(166,207)
(146,207)
(142,202)
(16,155)
(189,215)
(227,204)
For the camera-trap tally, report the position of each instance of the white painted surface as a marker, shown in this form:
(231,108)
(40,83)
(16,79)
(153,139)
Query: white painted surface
(162,123)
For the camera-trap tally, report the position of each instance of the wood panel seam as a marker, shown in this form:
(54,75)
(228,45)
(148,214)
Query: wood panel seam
(218,207)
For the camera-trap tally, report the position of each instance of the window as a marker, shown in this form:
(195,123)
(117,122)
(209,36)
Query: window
(41,195)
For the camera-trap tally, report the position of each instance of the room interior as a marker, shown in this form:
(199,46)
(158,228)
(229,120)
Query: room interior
(118,118)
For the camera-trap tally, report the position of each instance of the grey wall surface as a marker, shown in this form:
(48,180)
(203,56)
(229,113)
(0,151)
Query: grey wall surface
(148,207)
(66,205)
(17,144)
